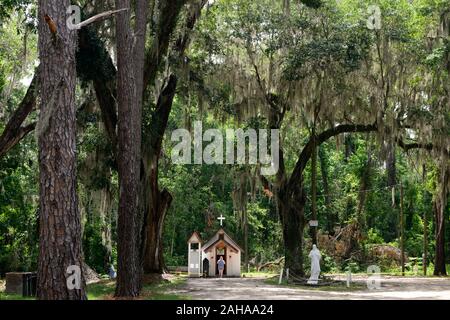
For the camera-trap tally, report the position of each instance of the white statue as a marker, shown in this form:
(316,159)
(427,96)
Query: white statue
(315,257)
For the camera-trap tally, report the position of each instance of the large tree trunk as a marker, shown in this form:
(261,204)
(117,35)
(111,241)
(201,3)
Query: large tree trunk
(439,207)
(59,224)
(155,202)
(291,209)
(130,65)
(157,207)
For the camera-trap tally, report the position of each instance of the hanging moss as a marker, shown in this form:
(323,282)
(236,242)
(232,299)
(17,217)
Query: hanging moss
(93,60)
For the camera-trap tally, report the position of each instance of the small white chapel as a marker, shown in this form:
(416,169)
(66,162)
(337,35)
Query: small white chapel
(203,257)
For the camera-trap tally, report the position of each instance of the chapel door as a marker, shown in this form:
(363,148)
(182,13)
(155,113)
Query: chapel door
(221,252)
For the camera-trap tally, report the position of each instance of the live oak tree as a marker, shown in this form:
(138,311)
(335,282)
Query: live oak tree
(328,74)
(439,61)
(59,219)
(156,202)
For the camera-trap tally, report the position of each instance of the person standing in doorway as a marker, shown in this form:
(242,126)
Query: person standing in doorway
(221,266)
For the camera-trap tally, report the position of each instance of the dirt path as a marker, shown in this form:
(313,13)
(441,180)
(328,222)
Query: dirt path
(257,289)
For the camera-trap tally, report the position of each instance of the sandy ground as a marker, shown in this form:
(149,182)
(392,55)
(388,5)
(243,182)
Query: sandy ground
(392,288)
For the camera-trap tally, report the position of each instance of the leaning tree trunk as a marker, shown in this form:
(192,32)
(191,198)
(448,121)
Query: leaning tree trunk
(156,203)
(60,256)
(439,207)
(14,131)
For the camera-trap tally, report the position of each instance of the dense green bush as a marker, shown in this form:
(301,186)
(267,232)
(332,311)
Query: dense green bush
(95,253)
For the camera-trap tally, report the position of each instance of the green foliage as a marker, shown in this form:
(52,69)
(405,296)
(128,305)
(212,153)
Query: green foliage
(8,7)
(351,266)
(328,264)
(95,253)
(14,68)
(437,57)
(341,47)
(373,237)
(18,210)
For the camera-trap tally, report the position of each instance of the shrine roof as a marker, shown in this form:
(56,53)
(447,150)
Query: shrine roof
(226,238)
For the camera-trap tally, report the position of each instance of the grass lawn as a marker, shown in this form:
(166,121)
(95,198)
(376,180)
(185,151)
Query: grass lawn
(158,291)
(5,296)
(104,290)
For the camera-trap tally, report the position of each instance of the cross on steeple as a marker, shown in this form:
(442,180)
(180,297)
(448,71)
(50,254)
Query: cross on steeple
(221,218)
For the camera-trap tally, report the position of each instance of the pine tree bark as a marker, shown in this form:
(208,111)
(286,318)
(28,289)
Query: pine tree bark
(130,78)
(59,222)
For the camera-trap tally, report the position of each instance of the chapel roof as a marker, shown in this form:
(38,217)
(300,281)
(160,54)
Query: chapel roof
(217,237)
